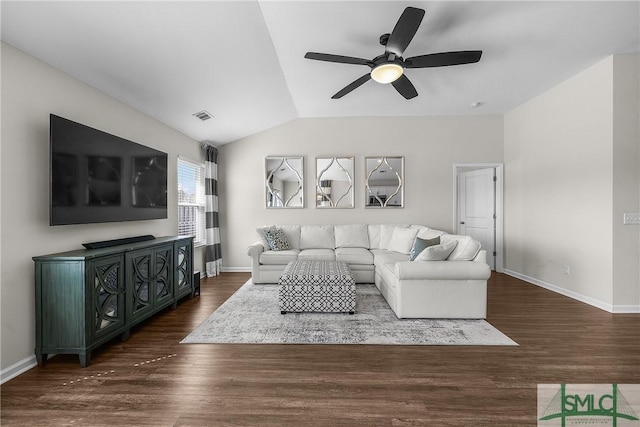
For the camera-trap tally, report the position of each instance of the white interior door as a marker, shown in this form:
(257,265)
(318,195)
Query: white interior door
(477,208)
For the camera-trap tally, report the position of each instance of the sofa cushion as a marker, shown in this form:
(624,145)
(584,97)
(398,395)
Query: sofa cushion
(354,256)
(317,237)
(386,231)
(420,245)
(351,236)
(277,239)
(402,240)
(317,255)
(374,236)
(293,234)
(437,252)
(382,257)
(466,249)
(278,257)
(430,233)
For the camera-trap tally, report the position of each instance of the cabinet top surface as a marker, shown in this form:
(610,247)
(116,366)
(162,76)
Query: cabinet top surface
(83,254)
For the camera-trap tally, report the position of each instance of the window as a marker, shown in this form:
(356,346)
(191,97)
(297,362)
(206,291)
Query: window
(191,200)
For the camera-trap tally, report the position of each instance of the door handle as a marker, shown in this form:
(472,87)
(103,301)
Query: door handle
(462,222)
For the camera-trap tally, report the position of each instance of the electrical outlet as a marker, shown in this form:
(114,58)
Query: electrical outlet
(567,270)
(631,218)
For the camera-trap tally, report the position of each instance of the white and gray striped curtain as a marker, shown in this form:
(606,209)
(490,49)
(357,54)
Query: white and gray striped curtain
(213,254)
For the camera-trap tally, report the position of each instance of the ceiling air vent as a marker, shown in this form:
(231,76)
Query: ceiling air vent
(203,115)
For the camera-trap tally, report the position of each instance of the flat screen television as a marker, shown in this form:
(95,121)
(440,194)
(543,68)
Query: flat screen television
(99,177)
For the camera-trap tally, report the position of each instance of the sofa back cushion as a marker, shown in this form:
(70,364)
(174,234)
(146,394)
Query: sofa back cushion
(293,235)
(402,240)
(466,249)
(386,232)
(317,237)
(351,236)
(373,230)
(430,233)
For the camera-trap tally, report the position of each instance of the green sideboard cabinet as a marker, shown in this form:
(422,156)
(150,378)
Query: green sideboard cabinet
(87,297)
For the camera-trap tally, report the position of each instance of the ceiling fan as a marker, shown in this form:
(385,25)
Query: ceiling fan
(389,67)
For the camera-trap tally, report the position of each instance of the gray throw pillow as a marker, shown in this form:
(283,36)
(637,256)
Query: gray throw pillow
(277,240)
(420,245)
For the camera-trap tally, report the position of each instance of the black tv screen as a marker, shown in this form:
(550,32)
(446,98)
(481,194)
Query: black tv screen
(98,177)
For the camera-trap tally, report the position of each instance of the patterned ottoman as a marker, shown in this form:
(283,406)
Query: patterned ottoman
(320,286)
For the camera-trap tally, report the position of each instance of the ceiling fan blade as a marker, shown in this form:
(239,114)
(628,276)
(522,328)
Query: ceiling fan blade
(405,29)
(337,58)
(405,87)
(443,59)
(351,86)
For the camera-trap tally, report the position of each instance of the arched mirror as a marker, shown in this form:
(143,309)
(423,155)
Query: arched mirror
(334,182)
(284,182)
(384,182)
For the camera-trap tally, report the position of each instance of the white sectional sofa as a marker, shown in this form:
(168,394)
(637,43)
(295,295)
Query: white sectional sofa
(446,280)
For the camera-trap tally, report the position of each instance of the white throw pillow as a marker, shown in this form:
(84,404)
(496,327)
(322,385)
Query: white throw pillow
(352,236)
(317,237)
(386,231)
(437,252)
(402,240)
(466,249)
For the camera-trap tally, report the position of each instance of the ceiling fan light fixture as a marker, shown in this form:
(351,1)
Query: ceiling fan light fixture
(387,73)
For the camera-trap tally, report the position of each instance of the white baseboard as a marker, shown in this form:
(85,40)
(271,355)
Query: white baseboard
(575,295)
(17,368)
(628,309)
(236,269)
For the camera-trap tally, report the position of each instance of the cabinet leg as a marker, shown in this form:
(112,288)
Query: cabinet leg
(41,358)
(125,335)
(85,358)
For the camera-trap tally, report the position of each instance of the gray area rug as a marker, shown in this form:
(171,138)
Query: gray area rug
(252,316)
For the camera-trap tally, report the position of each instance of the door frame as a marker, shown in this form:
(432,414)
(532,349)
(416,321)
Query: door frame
(499,168)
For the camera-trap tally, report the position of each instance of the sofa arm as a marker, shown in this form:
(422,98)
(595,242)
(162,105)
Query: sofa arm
(255,250)
(442,270)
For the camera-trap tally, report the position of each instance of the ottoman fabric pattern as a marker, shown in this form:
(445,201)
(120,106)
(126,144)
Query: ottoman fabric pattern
(320,286)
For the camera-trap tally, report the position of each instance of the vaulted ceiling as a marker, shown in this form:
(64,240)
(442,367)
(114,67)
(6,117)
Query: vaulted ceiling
(243,61)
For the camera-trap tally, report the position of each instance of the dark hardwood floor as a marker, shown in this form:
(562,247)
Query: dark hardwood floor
(153,380)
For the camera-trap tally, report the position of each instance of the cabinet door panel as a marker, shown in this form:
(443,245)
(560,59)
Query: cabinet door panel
(163,275)
(141,272)
(107,295)
(184,270)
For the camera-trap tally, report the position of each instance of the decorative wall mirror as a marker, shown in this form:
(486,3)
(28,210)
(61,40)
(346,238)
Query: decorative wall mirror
(384,182)
(334,182)
(284,182)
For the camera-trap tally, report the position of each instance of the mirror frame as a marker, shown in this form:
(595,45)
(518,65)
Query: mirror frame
(284,161)
(399,175)
(351,189)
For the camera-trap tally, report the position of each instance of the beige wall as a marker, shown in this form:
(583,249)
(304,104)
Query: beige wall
(31,90)
(430,146)
(564,158)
